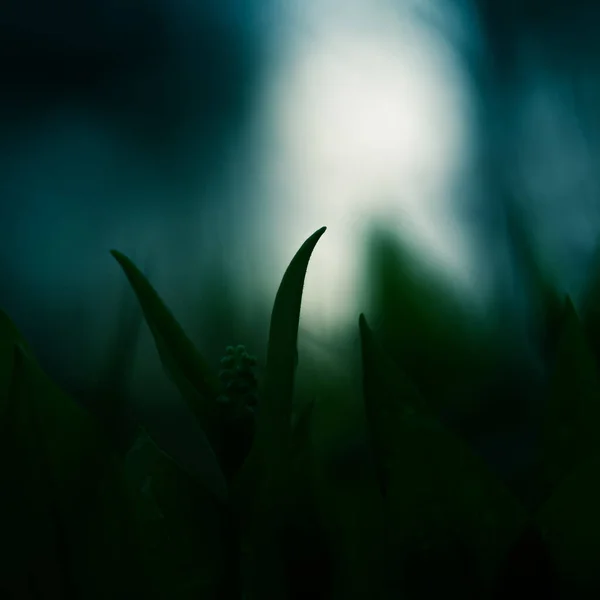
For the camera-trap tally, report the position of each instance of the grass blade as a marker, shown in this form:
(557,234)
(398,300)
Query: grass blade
(66,511)
(437,492)
(182,362)
(182,527)
(384,408)
(274,420)
(426,326)
(9,339)
(572,414)
(262,491)
(571,528)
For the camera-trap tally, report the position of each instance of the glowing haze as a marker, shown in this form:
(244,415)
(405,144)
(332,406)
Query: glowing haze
(206,156)
(364,114)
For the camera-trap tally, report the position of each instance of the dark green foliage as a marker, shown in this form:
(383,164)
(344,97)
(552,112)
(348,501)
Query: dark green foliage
(570,524)
(316,488)
(266,480)
(441,345)
(275,413)
(570,427)
(66,516)
(436,491)
(180,359)
(182,527)
(309,562)
(225,405)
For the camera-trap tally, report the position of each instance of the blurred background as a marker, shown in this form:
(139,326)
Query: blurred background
(206,140)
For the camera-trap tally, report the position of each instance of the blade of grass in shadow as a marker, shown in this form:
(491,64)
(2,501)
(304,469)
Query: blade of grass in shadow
(383,409)
(261,491)
(570,526)
(184,531)
(426,325)
(182,362)
(435,488)
(9,338)
(274,420)
(192,375)
(26,520)
(572,413)
(67,507)
(304,543)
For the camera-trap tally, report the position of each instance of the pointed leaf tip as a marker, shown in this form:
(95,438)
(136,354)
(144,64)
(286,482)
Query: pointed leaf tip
(181,360)
(274,418)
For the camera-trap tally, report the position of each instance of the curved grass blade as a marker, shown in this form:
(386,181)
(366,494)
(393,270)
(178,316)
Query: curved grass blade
(426,326)
(570,525)
(67,507)
(572,414)
(436,490)
(262,490)
(9,338)
(274,420)
(182,528)
(182,362)
(382,408)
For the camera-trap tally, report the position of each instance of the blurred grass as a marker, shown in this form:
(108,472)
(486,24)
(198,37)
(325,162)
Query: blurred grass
(372,488)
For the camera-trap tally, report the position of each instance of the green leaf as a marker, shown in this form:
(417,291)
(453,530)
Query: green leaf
(425,325)
(384,409)
(262,490)
(572,415)
(182,362)
(64,508)
(184,531)
(9,339)
(274,420)
(435,488)
(570,525)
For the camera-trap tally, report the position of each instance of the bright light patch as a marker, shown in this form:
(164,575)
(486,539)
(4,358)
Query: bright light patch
(361,118)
